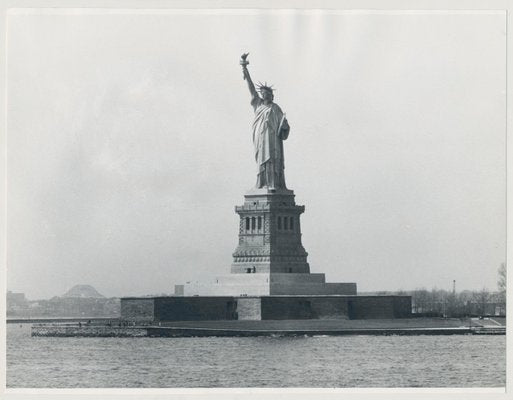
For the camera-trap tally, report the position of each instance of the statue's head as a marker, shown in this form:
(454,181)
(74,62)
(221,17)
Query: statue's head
(266,91)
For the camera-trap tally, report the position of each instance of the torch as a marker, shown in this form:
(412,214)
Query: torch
(244,62)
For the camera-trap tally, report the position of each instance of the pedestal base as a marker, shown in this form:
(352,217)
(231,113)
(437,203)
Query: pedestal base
(261,284)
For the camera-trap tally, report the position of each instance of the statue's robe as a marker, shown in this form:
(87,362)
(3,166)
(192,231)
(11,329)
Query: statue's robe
(270,128)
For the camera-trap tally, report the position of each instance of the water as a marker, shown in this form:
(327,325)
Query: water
(344,361)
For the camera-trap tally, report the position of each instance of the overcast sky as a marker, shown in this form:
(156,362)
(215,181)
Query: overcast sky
(129,144)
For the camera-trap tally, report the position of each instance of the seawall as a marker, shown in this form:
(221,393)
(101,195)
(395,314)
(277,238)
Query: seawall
(87,331)
(424,326)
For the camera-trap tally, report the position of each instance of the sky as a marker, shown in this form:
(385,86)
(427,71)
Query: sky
(129,144)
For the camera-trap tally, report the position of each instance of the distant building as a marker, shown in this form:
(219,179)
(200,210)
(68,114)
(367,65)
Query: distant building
(79,307)
(16,298)
(83,291)
(15,302)
(79,301)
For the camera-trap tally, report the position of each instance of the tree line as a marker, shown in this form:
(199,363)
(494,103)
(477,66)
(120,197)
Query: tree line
(449,303)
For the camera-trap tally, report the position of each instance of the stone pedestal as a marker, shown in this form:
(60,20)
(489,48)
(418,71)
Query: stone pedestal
(270,258)
(270,234)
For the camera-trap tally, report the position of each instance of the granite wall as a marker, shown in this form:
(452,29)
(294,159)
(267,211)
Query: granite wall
(367,307)
(286,307)
(307,289)
(402,306)
(329,307)
(203,308)
(335,307)
(194,308)
(249,308)
(137,308)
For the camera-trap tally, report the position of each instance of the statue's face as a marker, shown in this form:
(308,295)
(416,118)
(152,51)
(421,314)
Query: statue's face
(267,95)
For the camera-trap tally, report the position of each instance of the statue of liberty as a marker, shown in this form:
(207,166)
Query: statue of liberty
(270,129)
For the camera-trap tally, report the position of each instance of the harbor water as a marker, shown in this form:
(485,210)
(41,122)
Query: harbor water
(459,361)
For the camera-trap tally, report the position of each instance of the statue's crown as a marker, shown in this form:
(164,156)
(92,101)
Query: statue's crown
(264,86)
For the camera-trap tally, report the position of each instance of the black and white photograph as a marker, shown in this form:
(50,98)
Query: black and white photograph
(255,198)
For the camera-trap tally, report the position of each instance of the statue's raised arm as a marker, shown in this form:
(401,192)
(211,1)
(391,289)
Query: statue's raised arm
(244,62)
